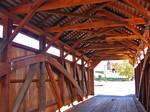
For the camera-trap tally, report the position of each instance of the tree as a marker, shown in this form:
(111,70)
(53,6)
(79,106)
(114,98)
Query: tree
(124,69)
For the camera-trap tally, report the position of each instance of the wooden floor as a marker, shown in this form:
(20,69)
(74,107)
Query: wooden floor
(109,104)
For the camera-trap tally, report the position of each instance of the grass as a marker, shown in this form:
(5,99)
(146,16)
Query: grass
(110,79)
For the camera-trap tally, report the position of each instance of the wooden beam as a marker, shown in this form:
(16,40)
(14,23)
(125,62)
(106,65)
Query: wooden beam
(118,38)
(55,63)
(101,47)
(81,26)
(56,38)
(148,99)
(135,31)
(22,80)
(54,85)
(5,92)
(113,55)
(85,78)
(55,5)
(42,78)
(27,60)
(68,48)
(73,14)
(142,71)
(95,63)
(20,62)
(82,78)
(70,87)
(110,15)
(96,24)
(111,58)
(61,78)
(130,45)
(24,89)
(78,59)
(98,15)
(115,17)
(111,52)
(100,33)
(74,66)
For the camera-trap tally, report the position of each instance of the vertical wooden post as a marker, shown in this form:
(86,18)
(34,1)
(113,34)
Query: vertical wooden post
(74,72)
(82,81)
(85,80)
(88,72)
(148,99)
(91,81)
(4,97)
(42,88)
(61,79)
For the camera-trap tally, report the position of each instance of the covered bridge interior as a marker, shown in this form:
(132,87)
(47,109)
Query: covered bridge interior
(89,31)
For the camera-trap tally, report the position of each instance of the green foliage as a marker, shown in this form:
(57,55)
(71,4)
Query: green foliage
(110,79)
(124,69)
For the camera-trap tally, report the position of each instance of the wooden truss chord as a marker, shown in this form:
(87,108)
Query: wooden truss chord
(96,24)
(55,87)
(56,4)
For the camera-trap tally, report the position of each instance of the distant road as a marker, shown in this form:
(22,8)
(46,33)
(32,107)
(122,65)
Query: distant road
(114,88)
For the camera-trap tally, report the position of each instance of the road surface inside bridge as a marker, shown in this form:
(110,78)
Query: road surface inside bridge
(106,103)
(111,97)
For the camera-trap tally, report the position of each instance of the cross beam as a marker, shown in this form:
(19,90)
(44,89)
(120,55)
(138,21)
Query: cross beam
(96,24)
(55,4)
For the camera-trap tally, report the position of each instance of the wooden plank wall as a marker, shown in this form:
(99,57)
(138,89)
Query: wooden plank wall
(142,83)
(83,76)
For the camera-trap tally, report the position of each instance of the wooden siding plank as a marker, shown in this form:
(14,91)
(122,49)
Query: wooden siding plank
(24,88)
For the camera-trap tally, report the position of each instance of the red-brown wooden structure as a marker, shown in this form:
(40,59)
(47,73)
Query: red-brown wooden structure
(89,30)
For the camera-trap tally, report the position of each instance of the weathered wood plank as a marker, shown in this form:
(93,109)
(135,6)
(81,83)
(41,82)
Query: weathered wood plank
(102,103)
(42,88)
(24,89)
(55,87)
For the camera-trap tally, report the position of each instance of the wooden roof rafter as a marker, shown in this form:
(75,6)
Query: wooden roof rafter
(81,25)
(56,4)
(96,24)
(34,29)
